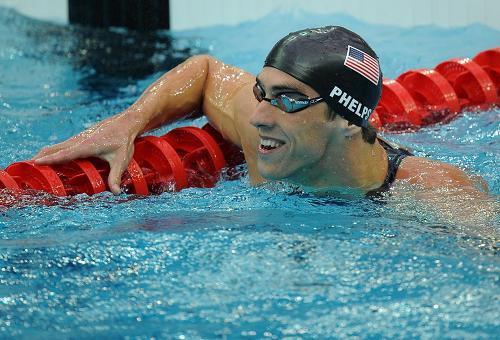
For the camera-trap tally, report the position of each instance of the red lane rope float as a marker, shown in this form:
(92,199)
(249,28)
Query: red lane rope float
(435,97)
(193,157)
(80,176)
(162,166)
(439,93)
(133,179)
(201,155)
(7,182)
(397,99)
(232,154)
(38,177)
(489,60)
(471,83)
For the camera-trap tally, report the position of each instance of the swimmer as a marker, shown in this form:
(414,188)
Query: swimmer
(303,120)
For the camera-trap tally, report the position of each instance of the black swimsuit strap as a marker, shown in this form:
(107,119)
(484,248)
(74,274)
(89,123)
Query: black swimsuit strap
(395,156)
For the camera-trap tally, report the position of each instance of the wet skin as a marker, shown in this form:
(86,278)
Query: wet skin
(304,148)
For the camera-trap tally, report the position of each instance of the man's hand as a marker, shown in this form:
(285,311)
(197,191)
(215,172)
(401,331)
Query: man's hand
(111,140)
(199,83)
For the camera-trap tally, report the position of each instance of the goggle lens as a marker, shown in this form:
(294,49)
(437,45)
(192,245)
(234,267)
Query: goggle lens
(284,102)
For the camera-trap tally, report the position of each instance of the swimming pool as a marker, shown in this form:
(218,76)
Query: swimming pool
(232,261)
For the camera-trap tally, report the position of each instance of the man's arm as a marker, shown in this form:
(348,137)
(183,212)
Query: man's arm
(448,194)
(200,83)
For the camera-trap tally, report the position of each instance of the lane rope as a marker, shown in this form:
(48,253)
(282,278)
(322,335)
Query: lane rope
(194,157)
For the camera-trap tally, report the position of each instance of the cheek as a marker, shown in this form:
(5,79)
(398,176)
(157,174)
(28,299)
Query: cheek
(312,136)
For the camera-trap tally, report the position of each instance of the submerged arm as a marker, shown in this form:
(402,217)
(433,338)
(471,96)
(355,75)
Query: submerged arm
(449,195)
(200,83)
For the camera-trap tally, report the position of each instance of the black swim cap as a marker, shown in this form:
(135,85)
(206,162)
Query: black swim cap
(335,62)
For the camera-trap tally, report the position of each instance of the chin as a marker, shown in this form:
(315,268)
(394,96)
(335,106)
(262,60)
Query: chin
(273,173)
(270,173)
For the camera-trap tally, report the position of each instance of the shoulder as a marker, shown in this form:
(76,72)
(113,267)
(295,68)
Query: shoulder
(431,173)
(228,104)
(226,96)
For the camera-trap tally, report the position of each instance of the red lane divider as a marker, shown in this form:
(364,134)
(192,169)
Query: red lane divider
(193,157)
(38,177)
(80,176)
(471,83)
(489,60)
(201,155)
(162,165)
(422,97)
(434,95)
(232,154)
(396,98)
(184,157)
(7,182)
(133,179)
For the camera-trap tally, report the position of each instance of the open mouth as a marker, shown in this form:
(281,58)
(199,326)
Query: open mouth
(269,144)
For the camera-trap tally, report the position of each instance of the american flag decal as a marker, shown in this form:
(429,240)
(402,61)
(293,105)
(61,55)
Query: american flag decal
(362,63)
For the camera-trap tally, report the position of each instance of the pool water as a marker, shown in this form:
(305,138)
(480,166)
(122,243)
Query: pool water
(232,261)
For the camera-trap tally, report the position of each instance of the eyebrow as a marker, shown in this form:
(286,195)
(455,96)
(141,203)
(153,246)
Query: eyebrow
(281,88)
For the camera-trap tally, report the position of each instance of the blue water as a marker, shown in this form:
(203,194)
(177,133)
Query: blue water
(233,261)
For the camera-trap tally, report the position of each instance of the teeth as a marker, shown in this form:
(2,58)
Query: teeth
(269,143)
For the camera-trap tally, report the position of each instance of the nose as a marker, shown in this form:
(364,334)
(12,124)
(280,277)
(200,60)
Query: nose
(263,116)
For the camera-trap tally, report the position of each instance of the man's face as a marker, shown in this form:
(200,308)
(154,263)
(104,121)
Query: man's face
(292,146)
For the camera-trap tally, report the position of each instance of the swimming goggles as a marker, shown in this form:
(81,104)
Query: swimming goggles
(284,101)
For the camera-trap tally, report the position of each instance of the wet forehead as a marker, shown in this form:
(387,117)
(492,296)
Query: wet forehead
(272,79)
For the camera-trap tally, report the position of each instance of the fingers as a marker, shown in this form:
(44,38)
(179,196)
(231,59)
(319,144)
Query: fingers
(64,155)
(117,167)
(103,141)
(67,144)
(51,149)
(118,161)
